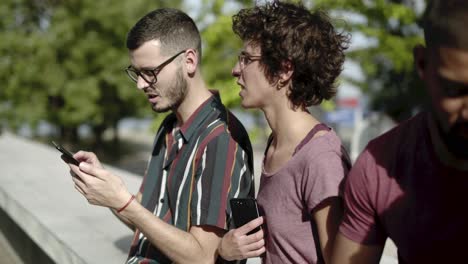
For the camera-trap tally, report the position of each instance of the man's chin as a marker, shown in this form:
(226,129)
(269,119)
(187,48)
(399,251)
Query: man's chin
(160,109)
(165,108)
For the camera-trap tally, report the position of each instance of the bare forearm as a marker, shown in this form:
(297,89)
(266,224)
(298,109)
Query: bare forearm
(328,217)
(178,245)
(123,219)
(100,187)
(346,251)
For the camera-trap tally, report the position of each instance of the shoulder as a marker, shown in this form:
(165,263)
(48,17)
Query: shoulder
(378,162)
(326,145)
(325,155)
(218,132)
(399,139)
(230,121)
(409,127)
(229,127)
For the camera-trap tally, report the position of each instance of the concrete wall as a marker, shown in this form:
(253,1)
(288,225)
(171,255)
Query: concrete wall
(40,207)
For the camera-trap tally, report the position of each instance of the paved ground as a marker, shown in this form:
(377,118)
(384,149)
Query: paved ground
(37,193)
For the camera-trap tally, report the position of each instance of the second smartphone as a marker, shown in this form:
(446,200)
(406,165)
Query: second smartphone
(244,210)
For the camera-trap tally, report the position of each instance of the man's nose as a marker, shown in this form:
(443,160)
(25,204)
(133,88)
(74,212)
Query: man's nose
(141,83)
(236,70)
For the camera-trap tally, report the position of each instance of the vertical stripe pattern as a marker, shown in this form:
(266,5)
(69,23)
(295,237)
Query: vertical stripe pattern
(193,172)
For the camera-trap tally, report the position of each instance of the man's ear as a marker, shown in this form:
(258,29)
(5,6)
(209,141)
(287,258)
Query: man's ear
(191,61)
(286,72)
(420,60)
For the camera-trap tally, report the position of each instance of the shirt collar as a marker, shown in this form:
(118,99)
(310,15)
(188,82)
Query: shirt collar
(213,103)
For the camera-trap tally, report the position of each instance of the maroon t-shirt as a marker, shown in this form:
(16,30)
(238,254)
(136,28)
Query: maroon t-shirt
(399,189)
(288,196)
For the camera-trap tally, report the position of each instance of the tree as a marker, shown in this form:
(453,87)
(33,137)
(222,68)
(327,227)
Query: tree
(220,55)
(391,27)
(63,61)
(22,95)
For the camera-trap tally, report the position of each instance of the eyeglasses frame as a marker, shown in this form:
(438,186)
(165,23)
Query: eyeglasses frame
(241,59)
(154,71)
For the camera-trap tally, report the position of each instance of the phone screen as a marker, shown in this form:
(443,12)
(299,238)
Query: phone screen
(244,210)
(68,156)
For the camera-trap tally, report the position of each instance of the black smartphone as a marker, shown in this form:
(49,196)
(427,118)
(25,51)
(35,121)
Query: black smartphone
(67,155)
(244,210)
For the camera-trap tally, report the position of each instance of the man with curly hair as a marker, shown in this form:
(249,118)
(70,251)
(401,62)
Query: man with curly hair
(290,60)
(410,184)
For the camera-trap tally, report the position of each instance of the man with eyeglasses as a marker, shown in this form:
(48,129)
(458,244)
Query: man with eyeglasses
(290,60)
(202,156)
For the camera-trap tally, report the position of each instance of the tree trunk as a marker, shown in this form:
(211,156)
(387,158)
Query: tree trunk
(69,134)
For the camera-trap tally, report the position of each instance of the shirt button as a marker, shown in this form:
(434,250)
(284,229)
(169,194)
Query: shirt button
(162,200)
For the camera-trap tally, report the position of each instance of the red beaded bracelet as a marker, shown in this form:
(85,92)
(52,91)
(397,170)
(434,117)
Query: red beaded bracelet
(125,206)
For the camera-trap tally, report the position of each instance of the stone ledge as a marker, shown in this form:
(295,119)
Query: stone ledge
(36,192)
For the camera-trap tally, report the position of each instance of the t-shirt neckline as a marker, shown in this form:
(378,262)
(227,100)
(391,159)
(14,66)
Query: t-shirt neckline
(317,128)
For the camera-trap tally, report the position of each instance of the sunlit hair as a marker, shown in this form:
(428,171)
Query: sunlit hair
(287,32)
(173,28)
(445,23)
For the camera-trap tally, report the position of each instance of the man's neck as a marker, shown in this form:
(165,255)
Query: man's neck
(197,94)
(441,150)
(285,126)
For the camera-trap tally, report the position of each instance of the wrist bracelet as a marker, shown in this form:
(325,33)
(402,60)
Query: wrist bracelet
(125,206)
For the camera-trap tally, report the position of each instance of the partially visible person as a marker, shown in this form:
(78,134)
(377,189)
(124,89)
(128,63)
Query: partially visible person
(410,184)
(201,158)
(290,60)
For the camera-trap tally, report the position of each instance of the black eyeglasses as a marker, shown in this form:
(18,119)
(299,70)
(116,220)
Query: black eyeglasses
(245,59)
(149,75)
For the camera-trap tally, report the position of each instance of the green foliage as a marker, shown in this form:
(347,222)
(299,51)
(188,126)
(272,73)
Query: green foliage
(220,56)
(63,61)
(390,77)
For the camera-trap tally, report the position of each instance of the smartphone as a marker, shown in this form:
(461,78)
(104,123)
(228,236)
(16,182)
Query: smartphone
(244,210)
(67,155)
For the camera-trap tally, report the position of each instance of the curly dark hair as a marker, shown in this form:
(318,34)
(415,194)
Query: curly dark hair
(288,32)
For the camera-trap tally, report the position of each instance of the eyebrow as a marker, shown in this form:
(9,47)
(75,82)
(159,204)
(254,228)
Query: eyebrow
(142,68)
(243,52)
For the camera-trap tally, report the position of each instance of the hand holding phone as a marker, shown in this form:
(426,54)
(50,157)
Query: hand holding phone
(244,210)
(67,155)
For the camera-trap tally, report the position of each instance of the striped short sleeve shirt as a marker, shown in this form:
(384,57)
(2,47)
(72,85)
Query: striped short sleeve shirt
(193,172)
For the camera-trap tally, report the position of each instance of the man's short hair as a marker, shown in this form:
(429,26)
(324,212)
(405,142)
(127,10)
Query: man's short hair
(173,28)
(288,32)
(445,23)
